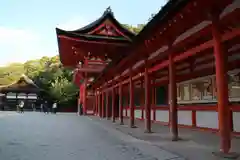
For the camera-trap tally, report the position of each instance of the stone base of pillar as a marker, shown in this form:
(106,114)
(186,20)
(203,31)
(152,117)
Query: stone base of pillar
(133,126)
(175,139)
(147,131)
(231,155)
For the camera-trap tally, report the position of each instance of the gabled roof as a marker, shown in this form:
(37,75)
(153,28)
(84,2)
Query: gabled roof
(104,27)
(24,84)
(168,10)
(92,37)
(104,37)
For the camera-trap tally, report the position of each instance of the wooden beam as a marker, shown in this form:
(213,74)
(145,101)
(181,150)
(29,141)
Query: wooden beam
(205,72)
(90,41)
(196,50)
(191,52)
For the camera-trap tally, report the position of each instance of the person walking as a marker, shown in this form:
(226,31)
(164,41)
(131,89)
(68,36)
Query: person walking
(54,108)
(21,106)
(45,107)
(33,107)
(81,109)
(41,107)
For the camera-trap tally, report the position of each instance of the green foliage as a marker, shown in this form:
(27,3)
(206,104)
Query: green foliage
(63,90)
(47,73)
(134,29)
(55,80)
(10,73)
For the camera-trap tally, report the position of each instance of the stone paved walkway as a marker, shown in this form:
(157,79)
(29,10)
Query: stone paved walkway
(195,145)
(36,136)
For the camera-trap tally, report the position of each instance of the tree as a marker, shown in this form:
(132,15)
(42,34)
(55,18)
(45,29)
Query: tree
(10,73)
(134,29)
(63,90)
(47,73)
(52,77)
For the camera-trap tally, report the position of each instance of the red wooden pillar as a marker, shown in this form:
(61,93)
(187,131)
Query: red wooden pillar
(107,106)
(103,114)
(79,103)
(113,106)
(173,99)
(222,89)
(154,98)
(95,105)
(85,97)
(131,99)
(96,102)
(142,99)
(99,104)
(147,100)
(121,104)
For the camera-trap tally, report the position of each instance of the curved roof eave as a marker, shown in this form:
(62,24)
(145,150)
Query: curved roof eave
(108,14)
(170,8)
(91,37)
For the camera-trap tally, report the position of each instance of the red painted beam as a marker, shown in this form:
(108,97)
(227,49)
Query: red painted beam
(91,70)
(191,52)
(198,64)
(94,42)
(196,50)
(201,73)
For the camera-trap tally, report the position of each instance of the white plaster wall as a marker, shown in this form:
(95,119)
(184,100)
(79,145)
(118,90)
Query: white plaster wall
(162,116)
(208,119)
(236,121)
(128,113)
(185,117)
(152,114)
(138,113)
(90,111)
(124,112)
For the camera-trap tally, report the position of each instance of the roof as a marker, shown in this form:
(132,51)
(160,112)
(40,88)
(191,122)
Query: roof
(24,84)
(91,30)
(107,15)
(90,37)
(168,10)
(105,36)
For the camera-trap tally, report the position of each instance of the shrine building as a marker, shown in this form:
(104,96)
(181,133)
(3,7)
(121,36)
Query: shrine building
(181,70)
(24,89)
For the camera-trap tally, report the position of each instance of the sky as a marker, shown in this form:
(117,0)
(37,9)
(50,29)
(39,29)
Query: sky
(27,27)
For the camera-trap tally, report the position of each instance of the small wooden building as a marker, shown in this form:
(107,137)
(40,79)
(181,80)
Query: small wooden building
(22,90)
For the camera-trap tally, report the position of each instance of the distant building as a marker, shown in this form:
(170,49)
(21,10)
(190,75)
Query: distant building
(23,89)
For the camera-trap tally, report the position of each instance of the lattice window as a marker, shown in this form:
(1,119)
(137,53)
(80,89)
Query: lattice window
(234,85)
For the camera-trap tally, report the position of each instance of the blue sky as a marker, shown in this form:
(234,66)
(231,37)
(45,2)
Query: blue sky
(27,27)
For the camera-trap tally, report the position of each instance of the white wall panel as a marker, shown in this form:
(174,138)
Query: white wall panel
(138,113)
(208,119)
(128,113)
(162,116)
(236,121)
(185,117)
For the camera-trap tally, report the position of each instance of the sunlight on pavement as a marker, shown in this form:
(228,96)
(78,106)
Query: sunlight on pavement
(5,114)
